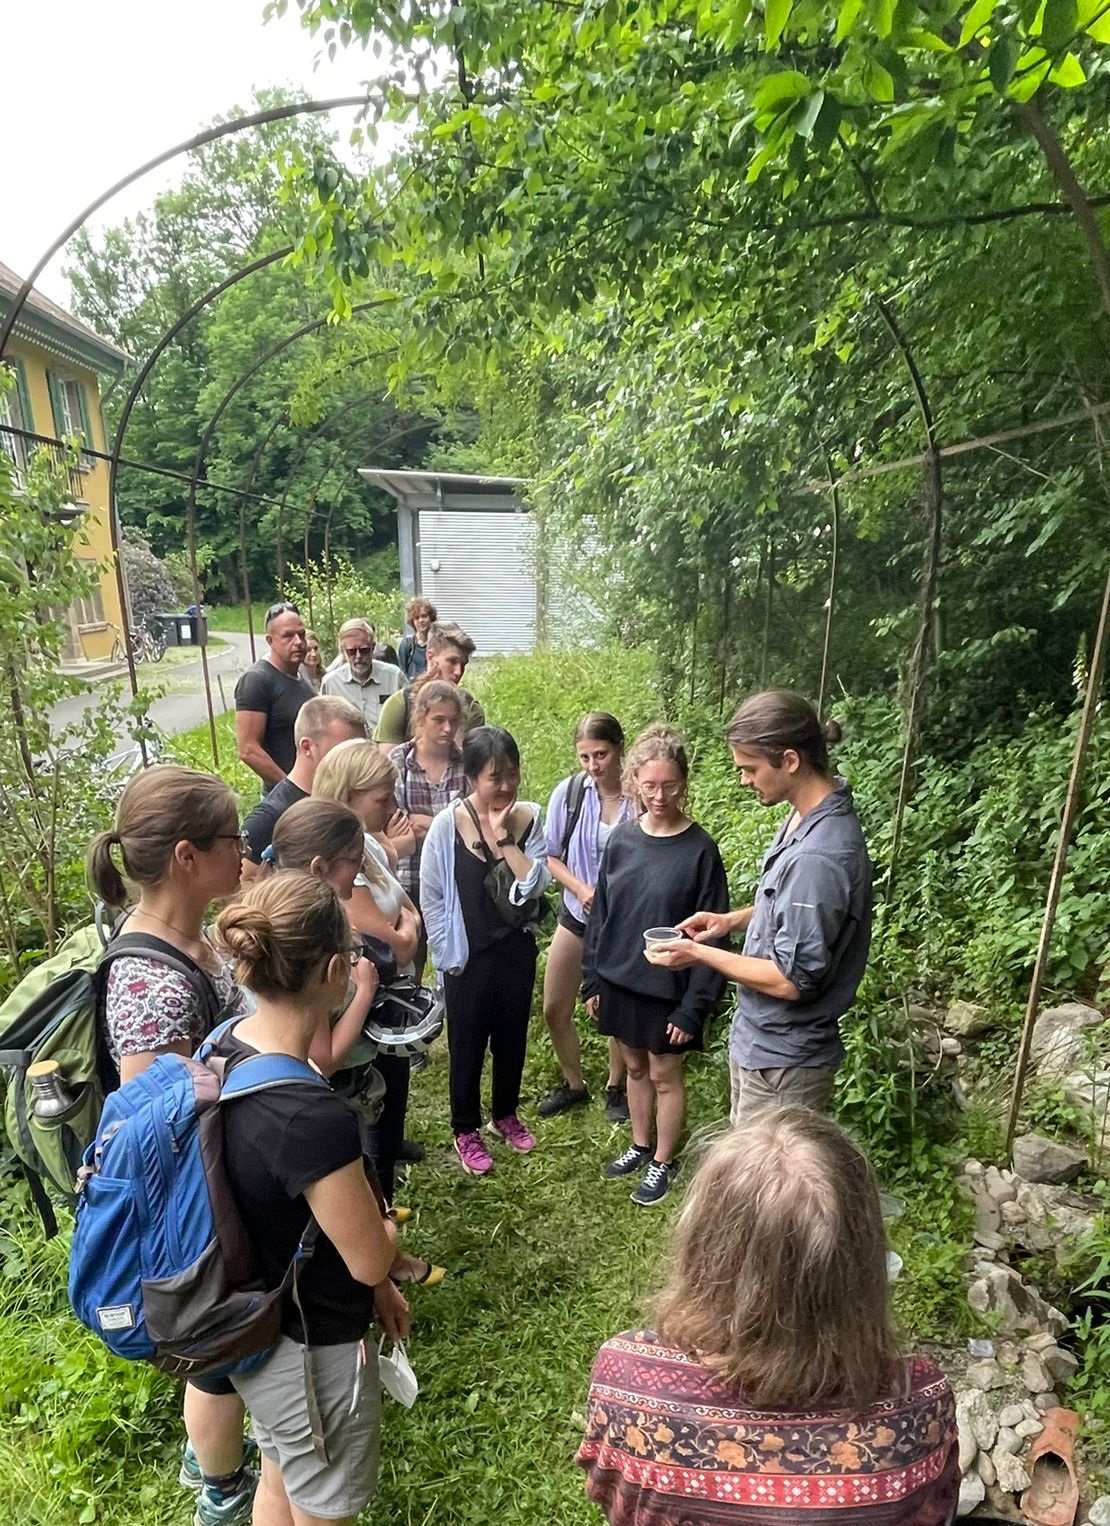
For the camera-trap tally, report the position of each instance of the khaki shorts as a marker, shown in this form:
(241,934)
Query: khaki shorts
(347,1391)
(794,1086)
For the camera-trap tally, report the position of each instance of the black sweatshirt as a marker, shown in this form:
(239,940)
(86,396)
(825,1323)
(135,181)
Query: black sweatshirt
(653,882)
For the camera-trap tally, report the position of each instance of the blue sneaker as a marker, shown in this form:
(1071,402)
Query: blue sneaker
(227,1509)
(189,1475)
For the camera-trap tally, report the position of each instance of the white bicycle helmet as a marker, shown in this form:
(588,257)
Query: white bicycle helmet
(405,1018)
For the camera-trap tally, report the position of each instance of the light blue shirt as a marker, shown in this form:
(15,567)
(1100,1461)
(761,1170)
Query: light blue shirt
(439,893)
(584,849)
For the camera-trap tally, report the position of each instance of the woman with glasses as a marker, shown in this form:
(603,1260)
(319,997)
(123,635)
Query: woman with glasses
(178,843)
(653,870)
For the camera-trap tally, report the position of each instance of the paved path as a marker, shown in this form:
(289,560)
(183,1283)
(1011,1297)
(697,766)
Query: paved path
(184,707)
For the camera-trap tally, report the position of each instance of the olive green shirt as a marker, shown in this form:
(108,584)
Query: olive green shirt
(393,719)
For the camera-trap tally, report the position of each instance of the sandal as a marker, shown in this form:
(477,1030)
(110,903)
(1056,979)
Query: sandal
(422,1273)
(1052,1497)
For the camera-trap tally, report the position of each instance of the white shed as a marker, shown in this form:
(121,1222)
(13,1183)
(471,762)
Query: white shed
(468,544)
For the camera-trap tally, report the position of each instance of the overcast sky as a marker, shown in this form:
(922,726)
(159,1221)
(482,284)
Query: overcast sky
(92,87)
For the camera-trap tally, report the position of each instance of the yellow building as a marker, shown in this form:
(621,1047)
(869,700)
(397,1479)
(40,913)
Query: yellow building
(58,363)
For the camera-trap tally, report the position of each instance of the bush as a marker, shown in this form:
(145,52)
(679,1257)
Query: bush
(149,585)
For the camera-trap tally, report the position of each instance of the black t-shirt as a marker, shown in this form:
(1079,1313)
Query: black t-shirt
(259,825)
(277,1143)
(267,689)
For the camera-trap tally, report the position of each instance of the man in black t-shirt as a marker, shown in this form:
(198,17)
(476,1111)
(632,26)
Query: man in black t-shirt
(322,724)
(268,698)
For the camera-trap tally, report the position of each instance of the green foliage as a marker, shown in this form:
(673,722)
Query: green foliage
(55,785)
(327,594)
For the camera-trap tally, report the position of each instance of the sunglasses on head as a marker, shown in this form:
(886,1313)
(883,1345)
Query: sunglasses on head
(280,609)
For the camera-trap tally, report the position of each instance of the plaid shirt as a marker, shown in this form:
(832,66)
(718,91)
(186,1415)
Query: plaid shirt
(418,796)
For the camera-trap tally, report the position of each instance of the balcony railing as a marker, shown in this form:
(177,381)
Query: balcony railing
(19,445)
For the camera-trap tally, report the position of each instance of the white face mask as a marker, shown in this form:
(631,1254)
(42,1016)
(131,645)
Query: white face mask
(396,1374)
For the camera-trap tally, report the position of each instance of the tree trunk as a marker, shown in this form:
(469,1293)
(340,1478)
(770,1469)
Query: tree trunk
(830,606)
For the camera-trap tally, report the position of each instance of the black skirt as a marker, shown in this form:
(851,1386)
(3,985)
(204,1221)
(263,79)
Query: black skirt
(638,1022)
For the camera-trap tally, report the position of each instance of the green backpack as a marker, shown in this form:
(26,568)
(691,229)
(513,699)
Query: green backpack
(55,1013)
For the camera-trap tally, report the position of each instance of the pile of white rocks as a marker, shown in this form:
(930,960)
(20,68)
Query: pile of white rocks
(1021,1373)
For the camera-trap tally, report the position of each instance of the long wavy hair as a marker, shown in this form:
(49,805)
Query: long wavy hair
(777,1277)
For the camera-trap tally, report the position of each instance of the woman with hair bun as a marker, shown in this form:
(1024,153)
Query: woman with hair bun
(179,846)
(808,933)
(772,1387)
(292,1152)
(652,872)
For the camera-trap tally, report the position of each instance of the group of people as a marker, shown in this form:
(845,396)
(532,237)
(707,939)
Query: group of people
(771,1378)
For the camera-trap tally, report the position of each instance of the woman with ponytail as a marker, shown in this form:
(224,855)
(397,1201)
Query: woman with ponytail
(808,931)
(176,842)
(292,1152)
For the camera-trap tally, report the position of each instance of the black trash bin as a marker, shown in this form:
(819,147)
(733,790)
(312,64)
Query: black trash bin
(171,634)
(198,629)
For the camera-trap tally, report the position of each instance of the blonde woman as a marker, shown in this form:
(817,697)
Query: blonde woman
(359,775)
(653,871)
(773,1372)
(290,1153)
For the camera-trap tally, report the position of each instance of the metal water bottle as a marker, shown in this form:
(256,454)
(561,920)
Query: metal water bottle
(52,1096)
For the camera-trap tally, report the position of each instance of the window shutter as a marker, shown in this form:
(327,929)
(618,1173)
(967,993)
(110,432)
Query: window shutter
(24,395)
(86,427)
(57,404)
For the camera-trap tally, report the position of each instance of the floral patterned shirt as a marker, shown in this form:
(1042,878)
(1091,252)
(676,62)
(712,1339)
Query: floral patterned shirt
(148,1006)
(666,1442)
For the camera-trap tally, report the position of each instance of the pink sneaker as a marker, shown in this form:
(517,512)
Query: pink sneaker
(472,1152)
(515,1135)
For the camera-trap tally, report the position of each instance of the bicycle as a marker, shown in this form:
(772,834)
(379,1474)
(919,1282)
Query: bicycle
(147,645)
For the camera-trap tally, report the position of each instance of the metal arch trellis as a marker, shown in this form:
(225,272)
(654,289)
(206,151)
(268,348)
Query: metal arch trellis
(209,135)
(125,418)
(282,417)
(198,464)
(335,460)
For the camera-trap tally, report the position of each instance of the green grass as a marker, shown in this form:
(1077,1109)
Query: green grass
(545,1258)
(233,617)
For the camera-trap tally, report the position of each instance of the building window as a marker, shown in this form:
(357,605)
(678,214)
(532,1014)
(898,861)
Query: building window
(71,415)
(90,609)
(13,415)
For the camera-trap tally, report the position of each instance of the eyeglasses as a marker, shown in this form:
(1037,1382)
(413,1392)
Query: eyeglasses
(668,791)
(358,651)
(280,609)
(241,838)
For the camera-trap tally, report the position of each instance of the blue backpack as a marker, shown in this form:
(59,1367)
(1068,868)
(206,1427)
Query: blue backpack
(161,1267)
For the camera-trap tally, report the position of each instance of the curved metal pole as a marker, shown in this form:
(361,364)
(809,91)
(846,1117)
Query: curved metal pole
(243,569)
(306,445)
(209,135)
(125,418)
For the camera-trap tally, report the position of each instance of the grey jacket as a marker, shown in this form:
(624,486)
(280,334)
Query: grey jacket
(813,919)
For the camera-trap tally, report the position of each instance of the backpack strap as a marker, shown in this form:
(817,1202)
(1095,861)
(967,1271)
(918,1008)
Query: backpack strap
(158,951)
(576,799)
(261,1072)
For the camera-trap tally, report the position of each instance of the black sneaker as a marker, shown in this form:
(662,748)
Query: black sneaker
(561,1100)
(635,1158)
(616,1104)
(411,1152)
(656,1183)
